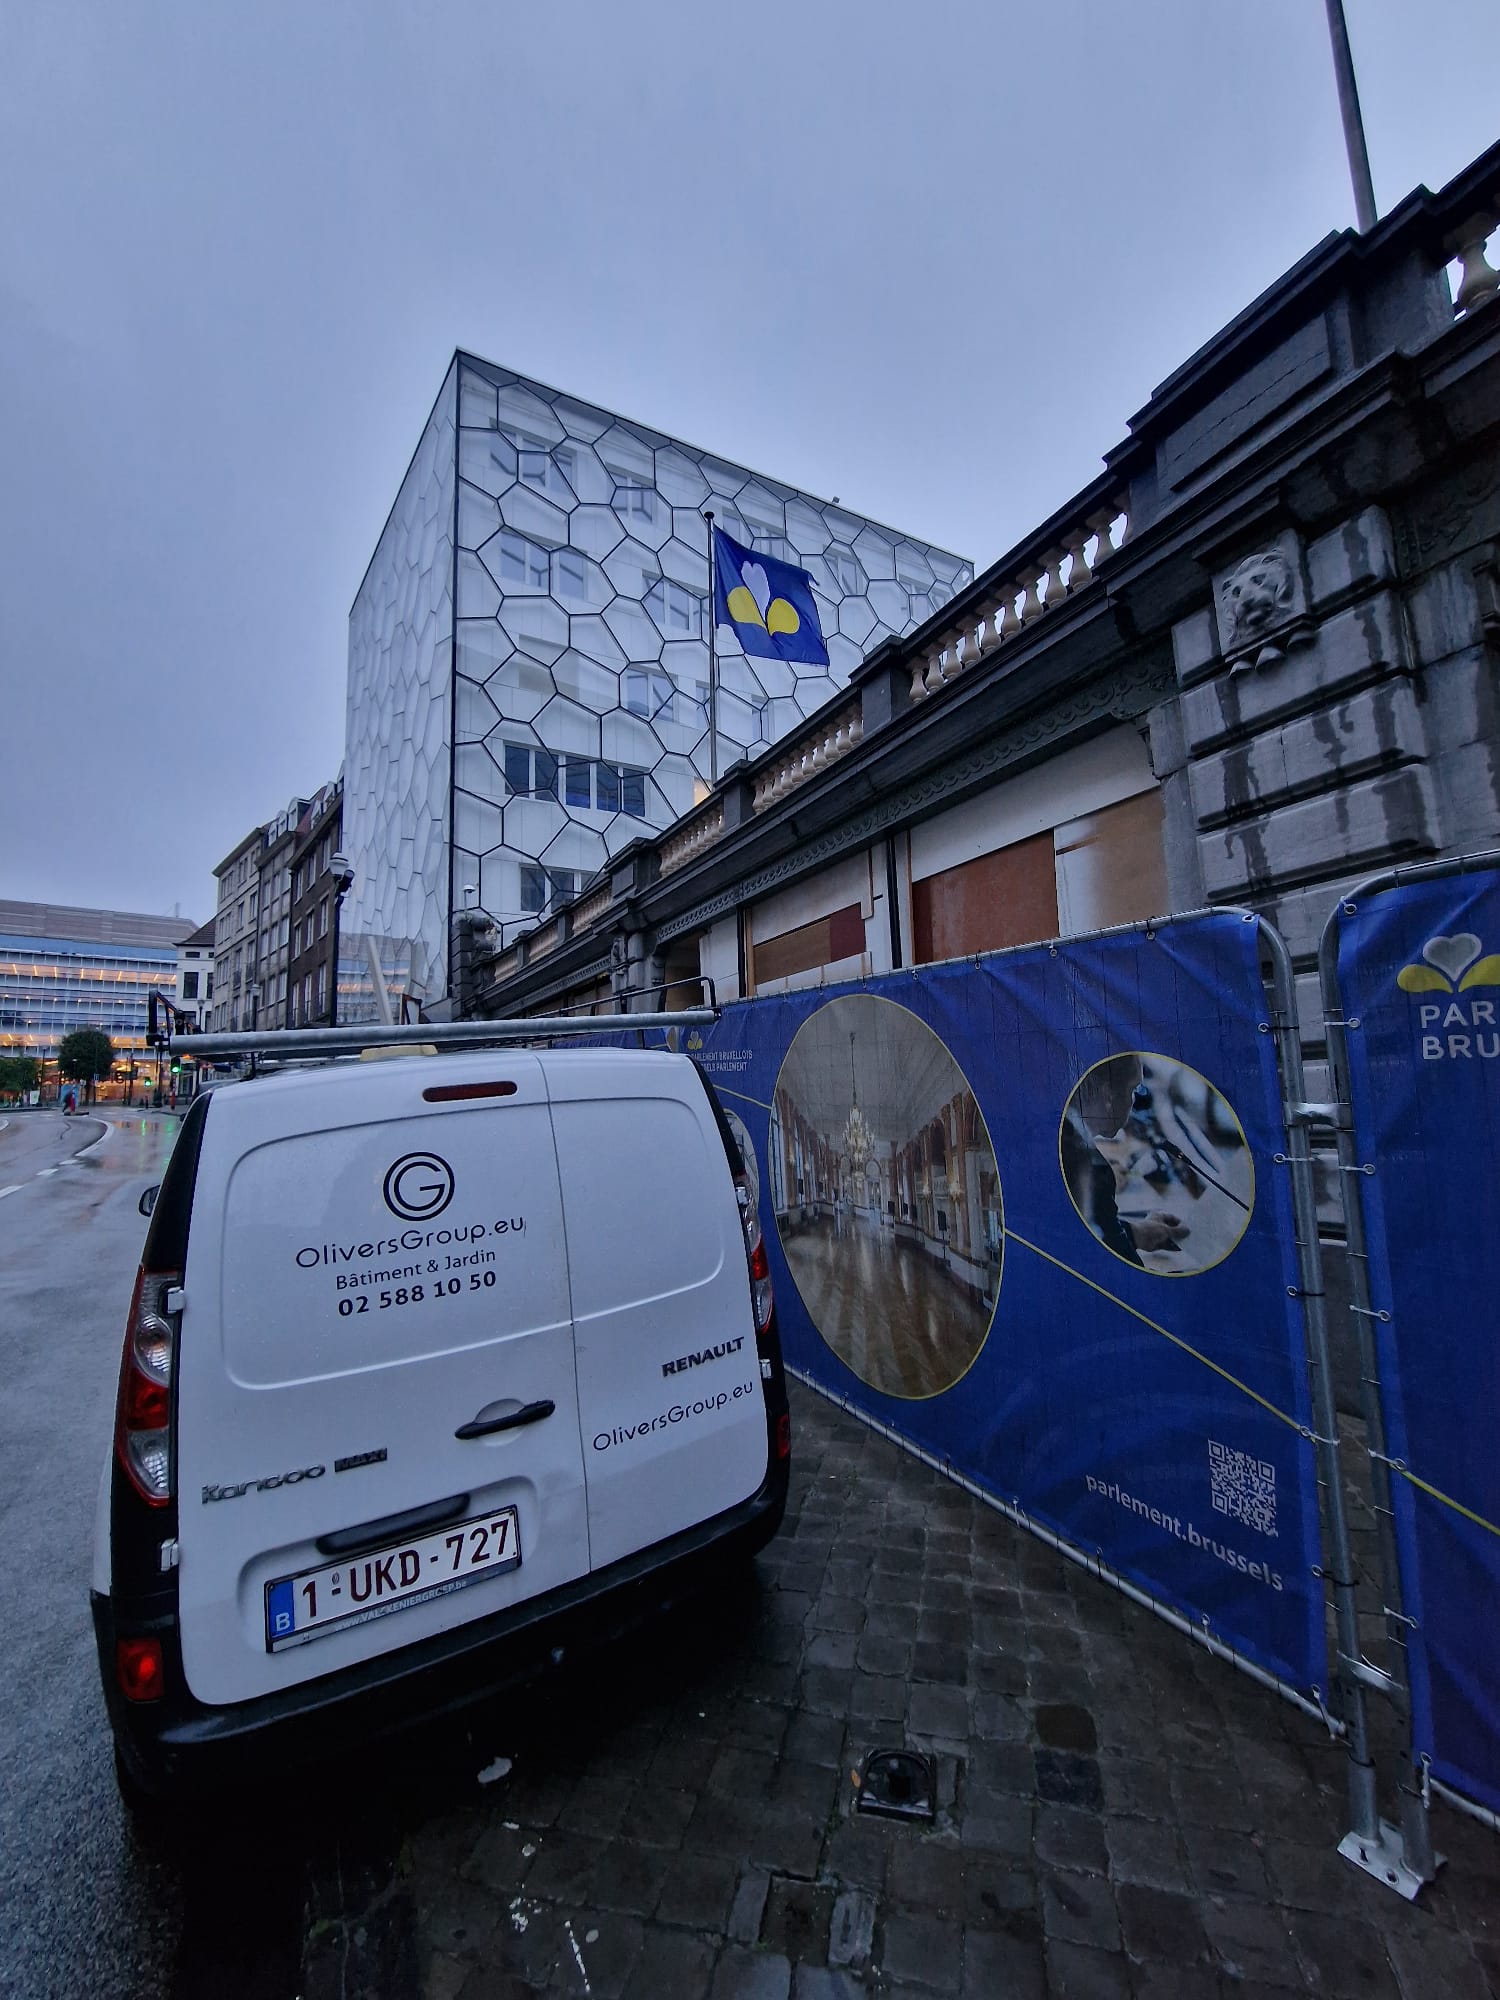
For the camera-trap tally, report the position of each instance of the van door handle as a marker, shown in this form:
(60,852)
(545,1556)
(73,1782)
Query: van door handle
(392,1527)
(529,1413)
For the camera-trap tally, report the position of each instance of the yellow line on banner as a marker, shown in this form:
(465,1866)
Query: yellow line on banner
(1457,1505)
(1234,1380)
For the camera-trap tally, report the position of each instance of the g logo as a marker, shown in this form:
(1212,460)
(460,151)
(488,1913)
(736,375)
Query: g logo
(418,1186)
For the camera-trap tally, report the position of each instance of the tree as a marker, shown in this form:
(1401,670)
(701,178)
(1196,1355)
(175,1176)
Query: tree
(86,1054)
(18,1075)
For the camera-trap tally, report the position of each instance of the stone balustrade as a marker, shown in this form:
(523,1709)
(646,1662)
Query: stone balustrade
(592,906)
(1066,565)
(691,837)
(1477,281)
(547,939)
(823,743)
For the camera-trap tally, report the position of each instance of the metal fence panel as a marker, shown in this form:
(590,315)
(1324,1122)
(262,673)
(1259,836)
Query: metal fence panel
(1411,971)
(1034,1214)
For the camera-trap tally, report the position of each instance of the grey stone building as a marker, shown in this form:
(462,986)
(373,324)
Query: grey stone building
(1255,661)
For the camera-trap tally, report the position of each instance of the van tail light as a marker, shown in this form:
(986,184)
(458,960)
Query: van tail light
(143,1415)
(784,1435)
(755,1252)
(139,1669)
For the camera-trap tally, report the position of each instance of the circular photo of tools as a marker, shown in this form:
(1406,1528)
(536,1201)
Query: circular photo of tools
(1157,1164)
(886,1196)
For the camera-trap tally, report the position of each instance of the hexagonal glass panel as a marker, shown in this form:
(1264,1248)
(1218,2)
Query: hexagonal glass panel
(538,626)
(477,594)
(595,530)
(487,460)
(476,399)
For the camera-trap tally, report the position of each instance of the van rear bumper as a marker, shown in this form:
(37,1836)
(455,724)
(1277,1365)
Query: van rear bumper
(177,1747)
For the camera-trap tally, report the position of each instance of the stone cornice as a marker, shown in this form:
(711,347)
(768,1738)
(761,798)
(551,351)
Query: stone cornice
(1120,696)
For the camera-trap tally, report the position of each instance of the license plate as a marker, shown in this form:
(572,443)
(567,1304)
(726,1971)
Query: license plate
(358,1588)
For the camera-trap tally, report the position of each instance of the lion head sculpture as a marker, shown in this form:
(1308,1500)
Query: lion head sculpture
(1257,595)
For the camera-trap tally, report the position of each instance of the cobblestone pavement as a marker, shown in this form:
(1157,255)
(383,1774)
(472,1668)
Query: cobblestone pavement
(1118,1813)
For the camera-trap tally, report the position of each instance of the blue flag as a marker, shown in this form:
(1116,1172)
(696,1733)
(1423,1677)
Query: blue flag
(769,604)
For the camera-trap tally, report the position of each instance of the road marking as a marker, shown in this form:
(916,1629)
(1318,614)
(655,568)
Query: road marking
(44,1171)
(14,1188)
(96,1145)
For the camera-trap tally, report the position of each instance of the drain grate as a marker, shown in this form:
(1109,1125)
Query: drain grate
(897,1784)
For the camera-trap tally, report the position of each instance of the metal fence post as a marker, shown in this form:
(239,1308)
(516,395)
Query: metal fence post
(1368,1843)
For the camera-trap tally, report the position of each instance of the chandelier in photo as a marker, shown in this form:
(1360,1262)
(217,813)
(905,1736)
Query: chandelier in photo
(858,1143)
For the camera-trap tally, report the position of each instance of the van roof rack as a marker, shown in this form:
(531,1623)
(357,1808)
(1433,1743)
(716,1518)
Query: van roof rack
(353,1037)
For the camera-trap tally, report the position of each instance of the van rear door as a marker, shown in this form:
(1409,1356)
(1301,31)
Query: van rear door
(671,1404)
(376,1264)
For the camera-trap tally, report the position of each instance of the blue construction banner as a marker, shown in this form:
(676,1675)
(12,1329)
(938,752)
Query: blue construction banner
(1032,1213)
(1419,974)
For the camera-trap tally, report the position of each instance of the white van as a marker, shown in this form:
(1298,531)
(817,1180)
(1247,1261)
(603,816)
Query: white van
(431,1361)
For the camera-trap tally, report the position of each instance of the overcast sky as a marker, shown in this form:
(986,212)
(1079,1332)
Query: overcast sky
(930,258)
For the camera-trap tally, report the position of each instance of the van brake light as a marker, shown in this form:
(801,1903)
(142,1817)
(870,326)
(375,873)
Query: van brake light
(143,1416)
(755,1252)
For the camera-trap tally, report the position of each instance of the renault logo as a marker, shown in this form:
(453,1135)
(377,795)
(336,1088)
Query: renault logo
(418,1186)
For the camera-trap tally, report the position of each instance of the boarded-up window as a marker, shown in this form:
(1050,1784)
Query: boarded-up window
(1008,897)
(1111,868)
(824,942)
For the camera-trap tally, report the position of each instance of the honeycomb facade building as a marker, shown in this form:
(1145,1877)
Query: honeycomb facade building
(529,662)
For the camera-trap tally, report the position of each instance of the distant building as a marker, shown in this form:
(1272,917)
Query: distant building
(313,903)
(273,937)
(256,932)
(235,926)
(195,977)
(529,661)
(63,968)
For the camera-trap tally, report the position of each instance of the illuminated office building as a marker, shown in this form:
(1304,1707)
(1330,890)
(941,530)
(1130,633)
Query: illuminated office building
(63,968)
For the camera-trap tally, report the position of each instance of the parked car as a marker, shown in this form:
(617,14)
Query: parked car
(431,1362)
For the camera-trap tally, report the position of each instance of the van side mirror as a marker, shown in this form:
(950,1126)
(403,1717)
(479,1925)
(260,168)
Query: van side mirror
(148,1200)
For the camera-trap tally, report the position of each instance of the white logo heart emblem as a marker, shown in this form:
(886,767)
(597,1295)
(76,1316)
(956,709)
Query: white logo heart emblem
(758,584)
(1453,955)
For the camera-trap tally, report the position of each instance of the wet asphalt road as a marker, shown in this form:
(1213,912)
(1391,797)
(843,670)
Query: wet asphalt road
(83,1907)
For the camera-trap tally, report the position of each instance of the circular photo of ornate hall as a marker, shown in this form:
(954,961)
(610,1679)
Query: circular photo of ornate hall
(1157,1164)
(886,1196)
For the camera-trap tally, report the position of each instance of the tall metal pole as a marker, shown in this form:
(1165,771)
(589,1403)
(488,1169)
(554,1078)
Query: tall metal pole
(1354,128)
(713,656)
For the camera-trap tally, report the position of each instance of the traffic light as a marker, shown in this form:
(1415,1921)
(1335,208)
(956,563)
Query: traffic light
(177,1065)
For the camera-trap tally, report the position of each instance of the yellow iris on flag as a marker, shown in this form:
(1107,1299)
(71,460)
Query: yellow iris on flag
(751,603)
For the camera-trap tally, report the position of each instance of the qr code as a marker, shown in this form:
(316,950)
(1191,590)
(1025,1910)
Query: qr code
(1243,1487)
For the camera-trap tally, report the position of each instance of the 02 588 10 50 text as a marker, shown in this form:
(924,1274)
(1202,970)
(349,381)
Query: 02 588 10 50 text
(429,1293)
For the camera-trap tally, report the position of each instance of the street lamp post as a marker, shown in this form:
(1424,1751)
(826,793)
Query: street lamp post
(343,881)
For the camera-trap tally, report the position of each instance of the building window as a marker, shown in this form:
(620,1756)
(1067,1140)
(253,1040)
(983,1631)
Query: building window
(550,469)
(529,773)
(677,610)
(523,564)
(634,501)
(774,544)
(190,986)
(844,568)
(578,781)
(322,987)
(544,888)
(572,573)
(323,918)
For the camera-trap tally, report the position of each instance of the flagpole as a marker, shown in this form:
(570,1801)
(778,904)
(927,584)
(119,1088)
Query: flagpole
(713,656)
(1354,127)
